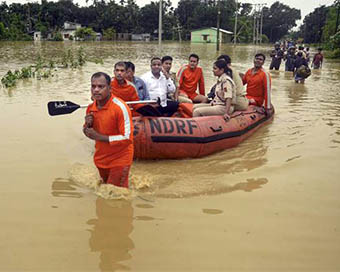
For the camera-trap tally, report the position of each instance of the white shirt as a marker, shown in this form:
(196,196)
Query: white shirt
(158,87)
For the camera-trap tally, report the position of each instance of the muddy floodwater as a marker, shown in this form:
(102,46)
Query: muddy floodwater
(270,204)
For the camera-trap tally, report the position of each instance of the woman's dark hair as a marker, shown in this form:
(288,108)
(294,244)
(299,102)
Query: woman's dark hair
(225,57)
(222,64)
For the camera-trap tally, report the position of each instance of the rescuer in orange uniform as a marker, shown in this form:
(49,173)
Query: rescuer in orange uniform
(123,88)
(189,76)
(108,121)
(258,84)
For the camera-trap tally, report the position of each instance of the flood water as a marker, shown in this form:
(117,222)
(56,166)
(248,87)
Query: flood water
(270,204)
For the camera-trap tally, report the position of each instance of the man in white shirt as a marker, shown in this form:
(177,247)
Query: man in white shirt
(159,86)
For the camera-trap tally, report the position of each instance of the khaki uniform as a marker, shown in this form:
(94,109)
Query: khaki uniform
(241,100)
(225,88)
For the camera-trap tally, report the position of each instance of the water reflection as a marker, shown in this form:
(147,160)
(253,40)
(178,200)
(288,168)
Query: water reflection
(212,175)
(296,93)
(110,233)
(65,188)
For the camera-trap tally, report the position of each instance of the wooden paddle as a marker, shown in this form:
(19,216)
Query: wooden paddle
(67,107)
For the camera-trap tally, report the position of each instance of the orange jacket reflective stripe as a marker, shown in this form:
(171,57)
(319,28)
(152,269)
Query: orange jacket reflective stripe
(114,120)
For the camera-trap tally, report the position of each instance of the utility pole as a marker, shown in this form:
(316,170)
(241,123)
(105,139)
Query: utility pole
(258,23)
(235,28)
(337,17)
(254,28)
(261,25)
(160,24)
(218,26)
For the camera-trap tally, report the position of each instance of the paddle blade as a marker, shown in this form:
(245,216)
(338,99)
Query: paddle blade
(61,107)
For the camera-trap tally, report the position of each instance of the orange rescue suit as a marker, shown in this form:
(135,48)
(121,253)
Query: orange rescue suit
(188,80)
(113,119)
(258,87)
(127,92)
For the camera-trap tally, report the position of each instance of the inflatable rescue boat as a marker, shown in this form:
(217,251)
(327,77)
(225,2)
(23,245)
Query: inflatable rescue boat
(178,138)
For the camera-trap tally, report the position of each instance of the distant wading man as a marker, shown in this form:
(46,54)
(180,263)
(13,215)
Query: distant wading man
(189,77)
(108,121)
(277,56)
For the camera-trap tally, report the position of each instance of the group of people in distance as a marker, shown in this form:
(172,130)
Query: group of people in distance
(297,60)
(108,119)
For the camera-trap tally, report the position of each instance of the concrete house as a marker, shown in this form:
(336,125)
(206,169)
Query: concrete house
(69,30)
(209,35)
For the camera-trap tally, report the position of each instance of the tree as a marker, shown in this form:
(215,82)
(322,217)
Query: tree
(109,34)
(85,33)
(278,20)
(195,14)
(3,32)
(313,24)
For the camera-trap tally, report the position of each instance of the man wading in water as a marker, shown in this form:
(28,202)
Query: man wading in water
(108,121)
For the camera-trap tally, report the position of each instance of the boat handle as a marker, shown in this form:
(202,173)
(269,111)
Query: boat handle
(216,129)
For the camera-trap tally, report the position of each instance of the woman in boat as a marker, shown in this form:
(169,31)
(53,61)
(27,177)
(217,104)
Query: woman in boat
(225,94)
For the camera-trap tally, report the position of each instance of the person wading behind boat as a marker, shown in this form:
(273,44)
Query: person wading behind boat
(301,69)
(189,77)
(159,86)
(225,94)
(318,59)
(258,84)
(290,57)
(277,56)
(108,121)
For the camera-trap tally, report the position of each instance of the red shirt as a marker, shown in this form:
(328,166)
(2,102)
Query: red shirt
(188,80)
(258,87)
(114,120)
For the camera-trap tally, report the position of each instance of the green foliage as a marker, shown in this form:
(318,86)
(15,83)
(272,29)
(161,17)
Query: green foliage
(195,14)
(43,68)
(9,80)
(68,59)
(335,54)
(312,28)
(85,33)
(81,56)
(109,34)
(278,20)
(3,32)
(265,39)
(335,41)
(58,37)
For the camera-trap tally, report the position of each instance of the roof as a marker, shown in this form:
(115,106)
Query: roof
(214,28)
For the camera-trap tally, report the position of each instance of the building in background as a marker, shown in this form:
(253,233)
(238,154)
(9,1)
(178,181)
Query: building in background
(209,35)
(69,30)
